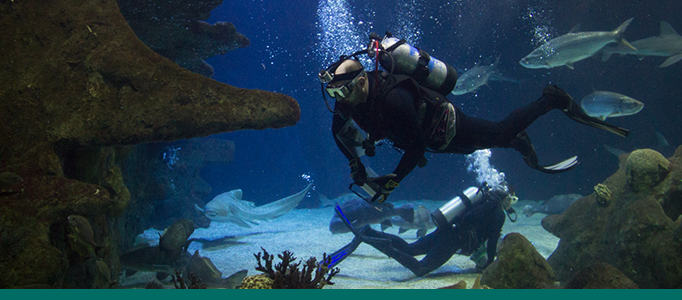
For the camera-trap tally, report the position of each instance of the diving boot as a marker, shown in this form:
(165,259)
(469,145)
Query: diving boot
(523,144)
(570,108)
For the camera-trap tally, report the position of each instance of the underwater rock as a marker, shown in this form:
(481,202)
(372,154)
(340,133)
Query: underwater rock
(600,276)
(518,266)
(635,233)
(645,168)
(174,30)
(82,82)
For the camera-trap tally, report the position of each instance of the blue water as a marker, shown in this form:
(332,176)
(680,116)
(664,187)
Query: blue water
(292,41)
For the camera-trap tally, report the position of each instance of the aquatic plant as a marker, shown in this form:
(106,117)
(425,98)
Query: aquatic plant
(286,274)
(194,281)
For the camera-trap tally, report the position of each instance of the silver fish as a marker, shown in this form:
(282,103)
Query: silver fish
(573,46)
(229,207)
(475,77)
(555,205)
(602,104)
(668,43)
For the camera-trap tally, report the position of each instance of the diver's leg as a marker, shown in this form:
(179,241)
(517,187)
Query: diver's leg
(523,145)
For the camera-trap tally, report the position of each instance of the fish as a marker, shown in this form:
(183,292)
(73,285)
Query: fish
(175,239)
(361,213)
(574,46)
(229,207)
(209,274)
(662,141)
(149,259)
(324,201)
(422,222)
(615,151)
(603,104)
(668,44)
(555,205)
(81,237)
(475,77)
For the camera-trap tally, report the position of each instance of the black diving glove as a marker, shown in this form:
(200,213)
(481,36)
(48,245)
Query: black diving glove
(357,171)
(386,184)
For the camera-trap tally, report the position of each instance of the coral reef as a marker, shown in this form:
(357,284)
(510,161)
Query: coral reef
(174,30)
(79,85)
(600,276)
(638,233)
(286,274)
(645,168)
(518,266)
(603,194)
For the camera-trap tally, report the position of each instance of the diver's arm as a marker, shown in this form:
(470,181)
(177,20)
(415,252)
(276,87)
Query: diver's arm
(498,218)
(402,116)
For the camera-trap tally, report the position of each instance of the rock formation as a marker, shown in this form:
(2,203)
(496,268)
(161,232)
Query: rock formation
(77,82)
(518,266)
(638,233)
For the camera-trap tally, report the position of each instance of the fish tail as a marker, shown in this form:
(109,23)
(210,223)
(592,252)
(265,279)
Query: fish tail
(620,31)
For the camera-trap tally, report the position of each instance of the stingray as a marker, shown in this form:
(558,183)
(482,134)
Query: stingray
(229,207)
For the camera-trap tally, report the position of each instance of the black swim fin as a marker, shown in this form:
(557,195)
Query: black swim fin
(523,144)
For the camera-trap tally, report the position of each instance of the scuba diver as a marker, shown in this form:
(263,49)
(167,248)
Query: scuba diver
(463,225)
(407,106)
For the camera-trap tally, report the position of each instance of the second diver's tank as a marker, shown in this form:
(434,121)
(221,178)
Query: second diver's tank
(446,214)
(426,70)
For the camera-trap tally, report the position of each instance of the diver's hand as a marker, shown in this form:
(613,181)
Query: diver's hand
(357,171)
(386,185)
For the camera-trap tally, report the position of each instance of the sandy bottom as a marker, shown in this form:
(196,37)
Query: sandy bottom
(305,232)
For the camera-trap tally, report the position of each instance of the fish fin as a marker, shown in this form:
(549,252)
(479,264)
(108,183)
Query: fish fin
(601,118)
(569,65)
(402,230)
(671,60)
(641,57)
(621,29)
(199,208)
(606,55)
(575,28)
(385,224)
(666,29)
(239,222)
(421,232)
(626,43)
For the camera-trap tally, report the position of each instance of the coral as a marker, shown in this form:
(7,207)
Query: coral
(257,282)
(603,194)
(600,276)
(645,168)
(286,274)
(638,233)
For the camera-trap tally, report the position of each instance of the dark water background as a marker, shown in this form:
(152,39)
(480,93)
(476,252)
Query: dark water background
(286,53)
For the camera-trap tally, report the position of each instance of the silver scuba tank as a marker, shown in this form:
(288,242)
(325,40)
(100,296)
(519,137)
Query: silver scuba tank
(426,70)
(446,214)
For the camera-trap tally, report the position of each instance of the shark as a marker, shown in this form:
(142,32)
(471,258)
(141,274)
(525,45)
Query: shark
(229,207)
(574,46)
(475,77)
(668,44)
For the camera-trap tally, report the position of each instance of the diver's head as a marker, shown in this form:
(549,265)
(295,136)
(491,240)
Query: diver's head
(349,83)
(507,196)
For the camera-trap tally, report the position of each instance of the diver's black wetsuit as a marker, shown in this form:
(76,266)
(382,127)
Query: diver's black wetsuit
(479,224)
(396,118)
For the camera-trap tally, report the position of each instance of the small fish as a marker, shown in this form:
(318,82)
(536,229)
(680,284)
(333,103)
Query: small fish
(422,222)
(668,44)
(615,151)
(573,46)
(360,213)
(81,237)
(475,78)
(662,141)
(555,205)
(229,207)
(602,104)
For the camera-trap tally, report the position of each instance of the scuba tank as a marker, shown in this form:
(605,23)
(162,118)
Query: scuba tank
(446,214)
(402,58)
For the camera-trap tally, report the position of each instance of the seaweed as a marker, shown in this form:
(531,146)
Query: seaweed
(286,274)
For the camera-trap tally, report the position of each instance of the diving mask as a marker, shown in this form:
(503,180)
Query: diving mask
(336,90)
